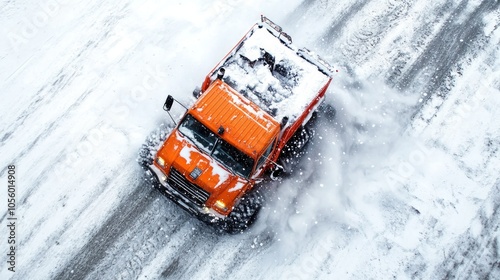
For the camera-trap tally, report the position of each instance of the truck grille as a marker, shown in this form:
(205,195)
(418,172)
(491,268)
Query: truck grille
(191,191)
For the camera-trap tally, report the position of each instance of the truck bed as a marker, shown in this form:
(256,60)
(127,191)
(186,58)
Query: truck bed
(273,74)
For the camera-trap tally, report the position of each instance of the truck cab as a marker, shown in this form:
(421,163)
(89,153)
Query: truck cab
(217,151)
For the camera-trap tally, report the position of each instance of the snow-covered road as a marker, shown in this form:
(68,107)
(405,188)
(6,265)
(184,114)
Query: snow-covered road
(403,183)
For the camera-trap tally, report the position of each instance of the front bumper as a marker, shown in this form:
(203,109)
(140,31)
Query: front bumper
(204,213)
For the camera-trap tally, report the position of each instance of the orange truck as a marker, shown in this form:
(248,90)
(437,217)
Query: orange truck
(250,118)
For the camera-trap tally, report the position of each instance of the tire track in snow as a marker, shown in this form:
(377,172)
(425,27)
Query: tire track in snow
(195,249)
(300,10)
(47,94)
(54,88)
(139,228)
(477,251)
(34,228)
(185,242)
(447,53)
(142,244)
(450,45)
(429,26)
(361,43)
(214,254)
(104,238)
(50,92)
(338,24)
(43,97)
(134,244)
(472,33)
(138,241)
(57,236)
(48,170)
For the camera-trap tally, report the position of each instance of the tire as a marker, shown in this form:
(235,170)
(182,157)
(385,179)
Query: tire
(244,213)
(148,151)
(327,112)
(294,150)
(152,144)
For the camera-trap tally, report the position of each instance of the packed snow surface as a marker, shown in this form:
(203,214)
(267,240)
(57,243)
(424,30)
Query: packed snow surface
(402,183)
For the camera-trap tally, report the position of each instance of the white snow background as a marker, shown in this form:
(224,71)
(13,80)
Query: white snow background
(403,183)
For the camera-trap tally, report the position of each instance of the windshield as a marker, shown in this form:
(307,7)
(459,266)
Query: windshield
(199,134)
(207,141)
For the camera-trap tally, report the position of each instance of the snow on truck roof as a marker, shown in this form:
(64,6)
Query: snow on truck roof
(272,74)
(245,125)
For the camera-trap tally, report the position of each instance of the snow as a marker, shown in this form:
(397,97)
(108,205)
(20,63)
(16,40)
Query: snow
(280,97)
(222,174)
(186,151)
(390,188)
(237,187)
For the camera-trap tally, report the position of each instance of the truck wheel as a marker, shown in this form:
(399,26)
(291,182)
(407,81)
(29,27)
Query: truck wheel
(294,150)
(244,214)
(151,145)
(327,112)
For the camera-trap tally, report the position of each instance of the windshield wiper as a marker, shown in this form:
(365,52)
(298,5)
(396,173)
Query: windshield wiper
(220,161)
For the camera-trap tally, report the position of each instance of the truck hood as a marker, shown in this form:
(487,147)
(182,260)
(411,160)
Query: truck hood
(197,167)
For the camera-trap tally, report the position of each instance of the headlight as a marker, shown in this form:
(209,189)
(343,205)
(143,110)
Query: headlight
(221,205)
(160,161)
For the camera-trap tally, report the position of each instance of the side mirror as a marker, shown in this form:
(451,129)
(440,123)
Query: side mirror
(197,92)
(168,103)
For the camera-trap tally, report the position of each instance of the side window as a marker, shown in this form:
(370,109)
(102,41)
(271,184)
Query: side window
(265,155)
